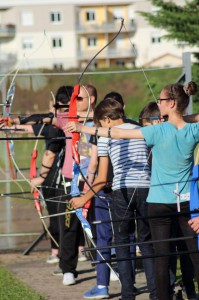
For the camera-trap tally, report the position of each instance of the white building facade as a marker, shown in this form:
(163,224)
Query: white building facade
(44,34)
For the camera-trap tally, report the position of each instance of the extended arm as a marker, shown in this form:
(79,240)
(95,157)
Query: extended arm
(24,129)
(113,132)
(34,119)
(191,118)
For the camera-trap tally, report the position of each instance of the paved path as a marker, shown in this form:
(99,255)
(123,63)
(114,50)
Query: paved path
(34,271)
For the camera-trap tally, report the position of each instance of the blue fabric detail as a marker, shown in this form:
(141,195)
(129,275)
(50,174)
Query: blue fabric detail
(194,193)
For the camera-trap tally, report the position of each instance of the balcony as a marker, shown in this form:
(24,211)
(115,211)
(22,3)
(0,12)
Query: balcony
(104,27)
(107,54)
(7,32)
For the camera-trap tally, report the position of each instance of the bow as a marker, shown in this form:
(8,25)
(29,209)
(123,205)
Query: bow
(76,172)
(76,157)
(36,192)
(6,113)
(76,136)
(75,154)
(7,108)
(10,151)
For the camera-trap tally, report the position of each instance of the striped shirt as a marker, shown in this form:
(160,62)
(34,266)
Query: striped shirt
(129,159)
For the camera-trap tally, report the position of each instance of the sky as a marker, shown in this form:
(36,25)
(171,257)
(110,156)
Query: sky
(8,3)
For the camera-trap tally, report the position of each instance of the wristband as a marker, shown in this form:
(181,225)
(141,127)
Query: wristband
(96,132)
(40,175)
(49,168)
(89,172)
(109,132)
(22,120)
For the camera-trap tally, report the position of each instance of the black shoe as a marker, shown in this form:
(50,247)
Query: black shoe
(135,291)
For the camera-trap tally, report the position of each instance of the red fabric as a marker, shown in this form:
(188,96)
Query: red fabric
(33,174)
(33,168)
(73,113)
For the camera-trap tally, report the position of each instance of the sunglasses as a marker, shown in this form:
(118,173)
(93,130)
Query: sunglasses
(79,98)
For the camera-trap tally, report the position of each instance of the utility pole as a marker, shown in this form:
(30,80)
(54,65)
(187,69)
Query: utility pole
(186,76)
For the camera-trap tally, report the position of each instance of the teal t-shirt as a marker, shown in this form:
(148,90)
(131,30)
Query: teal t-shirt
(172,160)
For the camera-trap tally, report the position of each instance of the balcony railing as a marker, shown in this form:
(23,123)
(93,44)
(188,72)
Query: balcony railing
(107,54)
(104,28)
(7,31)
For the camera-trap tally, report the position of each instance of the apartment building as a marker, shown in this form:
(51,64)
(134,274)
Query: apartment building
(97,25)
(66,34)
(44,35)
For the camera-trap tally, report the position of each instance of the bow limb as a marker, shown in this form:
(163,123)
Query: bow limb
(6,113)
(75,140)
(7,108)
(92,59)
(86,207)
(78,82)
(76,136)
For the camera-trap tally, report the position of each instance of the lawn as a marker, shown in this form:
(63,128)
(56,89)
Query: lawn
(12,288)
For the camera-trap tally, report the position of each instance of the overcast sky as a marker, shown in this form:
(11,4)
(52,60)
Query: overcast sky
(7,3)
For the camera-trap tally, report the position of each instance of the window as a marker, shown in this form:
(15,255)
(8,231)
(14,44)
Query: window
(92,41)
(156,38)
(57,42)
(27,18)
(27,43)
(58,66)
(55,17)
(90,15)
(120,63)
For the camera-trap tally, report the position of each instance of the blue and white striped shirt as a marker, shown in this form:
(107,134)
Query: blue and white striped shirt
(129,159)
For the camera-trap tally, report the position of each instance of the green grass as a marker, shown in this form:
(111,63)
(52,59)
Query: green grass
(12,288)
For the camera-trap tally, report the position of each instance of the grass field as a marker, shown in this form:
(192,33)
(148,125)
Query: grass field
(13,289)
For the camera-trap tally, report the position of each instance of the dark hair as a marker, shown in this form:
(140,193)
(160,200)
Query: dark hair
(92,91)
(116,96)
(181,94)
(108,108)
(63,94)
(149,112)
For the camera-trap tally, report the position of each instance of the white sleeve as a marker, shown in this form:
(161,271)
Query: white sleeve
(102,146)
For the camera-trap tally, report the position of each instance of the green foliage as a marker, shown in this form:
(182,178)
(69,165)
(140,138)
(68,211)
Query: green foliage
(195,76)
(137,88)
(12,288)
(181,22)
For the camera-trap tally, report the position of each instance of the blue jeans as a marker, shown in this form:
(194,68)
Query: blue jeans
(126,204)
(105,235)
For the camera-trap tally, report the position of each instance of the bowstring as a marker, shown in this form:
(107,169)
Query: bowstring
(150,152)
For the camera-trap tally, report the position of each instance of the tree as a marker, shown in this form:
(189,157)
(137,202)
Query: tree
(180,22)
